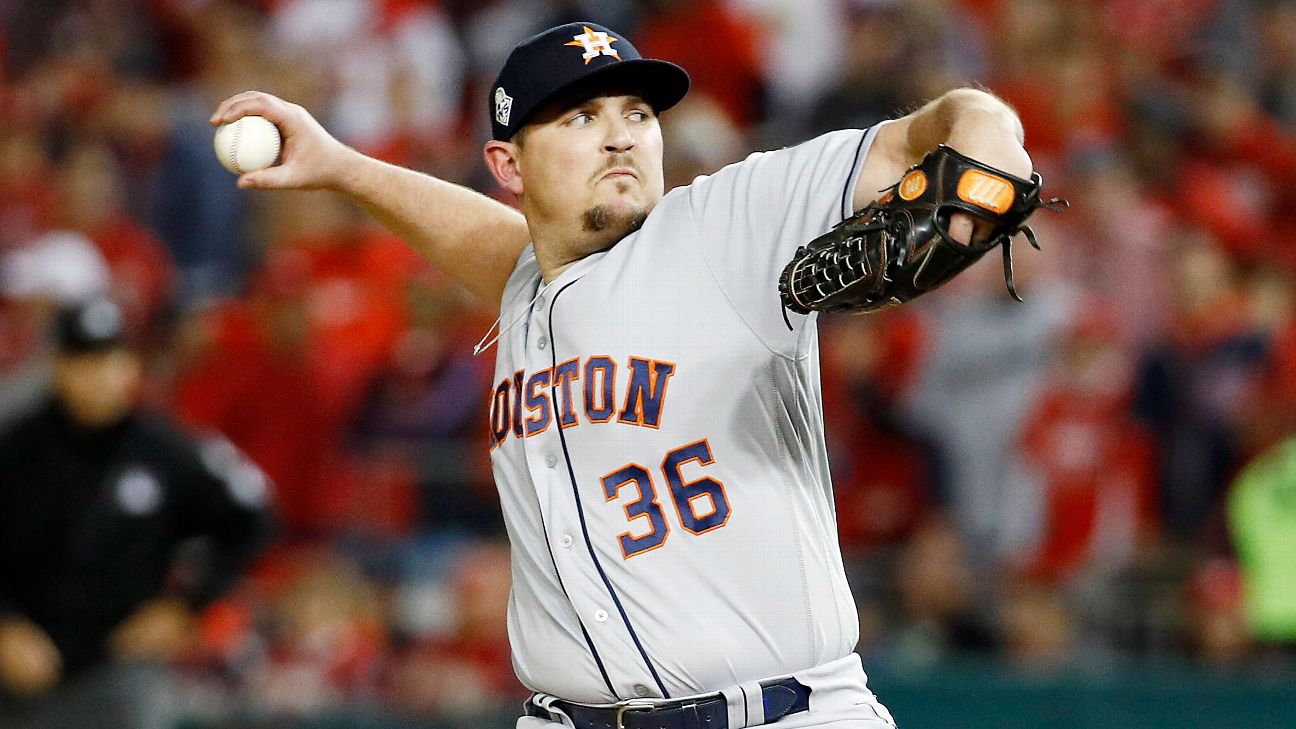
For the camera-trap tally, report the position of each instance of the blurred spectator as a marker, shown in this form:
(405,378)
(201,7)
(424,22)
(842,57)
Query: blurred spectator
(395,69)
(220,47)
(1271,295)
(473,653)
(352,276)
(886,474)
(726,67)
(1119,244)
(873,80)
(1037,629)
(26,197)
(245,372)
(142,275)
(421,415)
(937,599)
(326,641)
(1262,523)
(1218,630)
(1276,27)
(801,47)
(699,139)
(986,366)
(99,498)
(285,372)
(1056,75)
(200,216)
(1093,463)
(58,268)
(1193,391)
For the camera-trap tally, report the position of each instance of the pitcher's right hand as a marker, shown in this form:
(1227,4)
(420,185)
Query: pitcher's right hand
(311,158)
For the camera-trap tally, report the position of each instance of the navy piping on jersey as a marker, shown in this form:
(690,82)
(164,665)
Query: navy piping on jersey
(585,633)
(847,204)
(598,660)
(580,510)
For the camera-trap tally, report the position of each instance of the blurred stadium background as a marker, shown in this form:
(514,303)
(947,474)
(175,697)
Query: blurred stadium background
(1079,511)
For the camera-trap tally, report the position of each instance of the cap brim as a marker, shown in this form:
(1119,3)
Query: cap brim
(661,83)
(90,346)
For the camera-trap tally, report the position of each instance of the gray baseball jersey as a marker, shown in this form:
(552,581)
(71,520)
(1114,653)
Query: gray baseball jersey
(657,440)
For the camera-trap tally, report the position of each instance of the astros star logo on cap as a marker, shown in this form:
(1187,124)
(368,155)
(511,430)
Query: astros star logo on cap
(595,43)
(544,66)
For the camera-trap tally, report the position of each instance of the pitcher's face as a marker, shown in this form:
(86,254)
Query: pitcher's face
(595,164)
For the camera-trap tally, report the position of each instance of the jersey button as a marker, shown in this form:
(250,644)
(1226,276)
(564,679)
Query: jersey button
(544,342)
(642,691)
(601,616)
(551,460)
(567,541)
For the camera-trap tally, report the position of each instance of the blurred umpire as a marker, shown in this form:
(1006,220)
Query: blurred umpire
(97,502)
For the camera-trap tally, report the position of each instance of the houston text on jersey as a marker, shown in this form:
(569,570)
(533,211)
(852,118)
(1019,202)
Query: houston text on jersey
(526,404)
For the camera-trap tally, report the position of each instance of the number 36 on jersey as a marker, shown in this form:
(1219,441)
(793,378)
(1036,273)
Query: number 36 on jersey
(522,407)
(700,504)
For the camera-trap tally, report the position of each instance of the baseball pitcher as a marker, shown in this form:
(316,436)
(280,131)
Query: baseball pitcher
(656,424)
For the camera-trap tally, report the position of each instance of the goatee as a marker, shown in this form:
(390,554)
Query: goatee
(600,219)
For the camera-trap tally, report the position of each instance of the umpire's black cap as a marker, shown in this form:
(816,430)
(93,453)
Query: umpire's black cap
(95,325)
(542,66)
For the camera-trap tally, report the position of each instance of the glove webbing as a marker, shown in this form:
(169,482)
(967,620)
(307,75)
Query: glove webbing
(829,266)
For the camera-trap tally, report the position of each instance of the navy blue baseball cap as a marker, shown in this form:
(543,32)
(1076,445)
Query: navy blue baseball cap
(95,325)
(544,65)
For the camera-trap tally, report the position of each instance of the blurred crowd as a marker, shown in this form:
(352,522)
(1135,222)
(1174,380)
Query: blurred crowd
(1104,471)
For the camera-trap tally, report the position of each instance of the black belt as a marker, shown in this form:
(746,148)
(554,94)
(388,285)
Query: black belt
(780,697)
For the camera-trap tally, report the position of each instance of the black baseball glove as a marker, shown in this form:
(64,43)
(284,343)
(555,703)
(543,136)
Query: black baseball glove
(899,247)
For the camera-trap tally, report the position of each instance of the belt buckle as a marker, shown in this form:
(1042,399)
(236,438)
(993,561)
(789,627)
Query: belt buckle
(623,708)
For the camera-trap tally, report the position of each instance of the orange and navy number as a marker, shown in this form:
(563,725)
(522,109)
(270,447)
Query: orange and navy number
(645,506)
(684,494)
(525,404)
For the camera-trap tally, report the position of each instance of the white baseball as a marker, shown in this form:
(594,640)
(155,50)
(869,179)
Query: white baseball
(247,144)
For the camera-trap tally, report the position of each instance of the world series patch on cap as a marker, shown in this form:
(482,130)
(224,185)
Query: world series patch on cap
(544,65)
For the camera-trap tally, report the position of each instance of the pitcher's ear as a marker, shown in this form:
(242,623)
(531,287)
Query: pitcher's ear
(502,159)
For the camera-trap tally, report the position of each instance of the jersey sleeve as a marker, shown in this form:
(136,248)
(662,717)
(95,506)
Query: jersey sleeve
(227,499)
(748,219)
